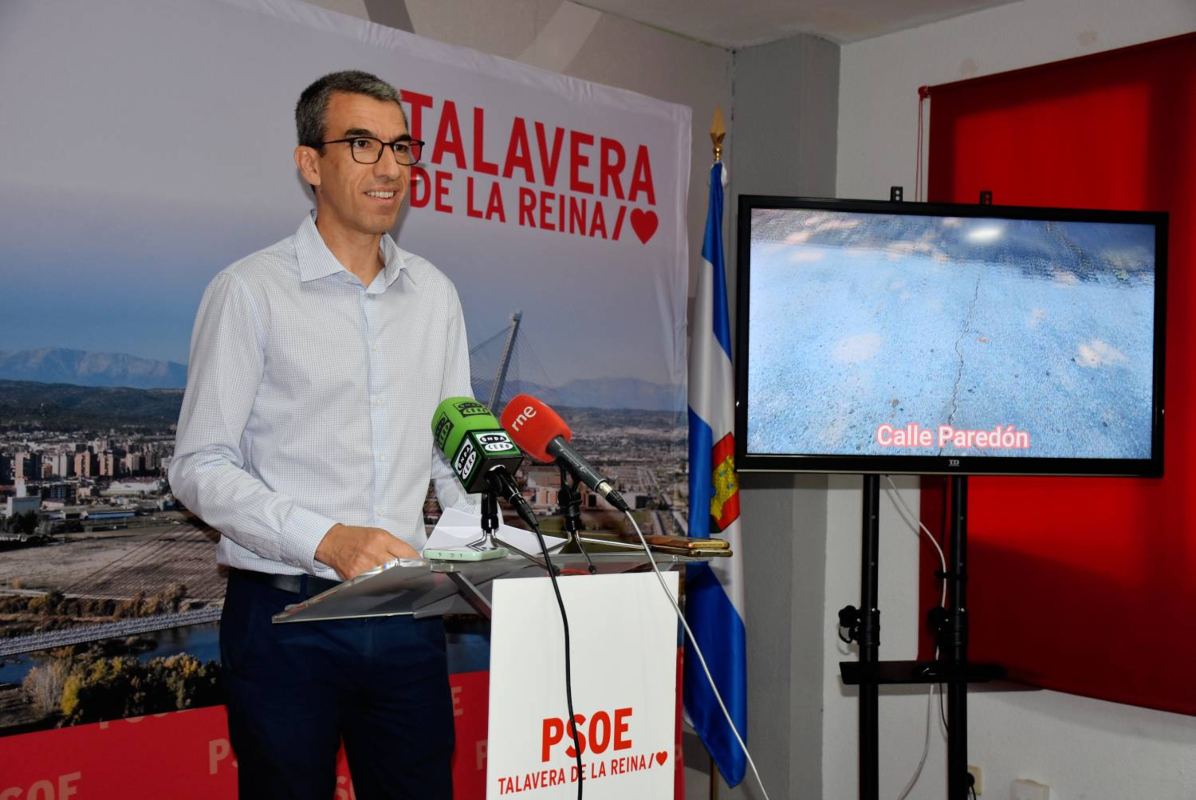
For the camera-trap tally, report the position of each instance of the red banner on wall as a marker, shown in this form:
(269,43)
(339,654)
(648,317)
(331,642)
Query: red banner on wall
(186,755)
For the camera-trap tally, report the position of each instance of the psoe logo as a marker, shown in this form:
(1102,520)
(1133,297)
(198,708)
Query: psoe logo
(602,731)
(62,787)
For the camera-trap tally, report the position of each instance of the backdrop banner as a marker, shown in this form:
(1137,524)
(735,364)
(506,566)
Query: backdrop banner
(153,150)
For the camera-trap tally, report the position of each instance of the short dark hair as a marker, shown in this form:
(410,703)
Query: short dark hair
(312,108)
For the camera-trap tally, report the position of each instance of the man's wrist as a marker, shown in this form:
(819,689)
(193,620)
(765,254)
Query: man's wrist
(305,530)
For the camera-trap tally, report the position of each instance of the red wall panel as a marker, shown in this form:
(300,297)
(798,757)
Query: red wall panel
(1086,585)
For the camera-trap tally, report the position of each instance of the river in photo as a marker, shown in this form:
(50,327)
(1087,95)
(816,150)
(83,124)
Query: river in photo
(201,641)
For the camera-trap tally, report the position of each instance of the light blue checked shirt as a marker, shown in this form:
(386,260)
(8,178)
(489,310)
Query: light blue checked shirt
(310,398)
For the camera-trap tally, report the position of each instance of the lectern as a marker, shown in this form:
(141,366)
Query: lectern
(623,644)
(436,588)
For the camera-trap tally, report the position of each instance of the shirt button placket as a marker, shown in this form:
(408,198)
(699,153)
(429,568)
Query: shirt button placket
(378,416)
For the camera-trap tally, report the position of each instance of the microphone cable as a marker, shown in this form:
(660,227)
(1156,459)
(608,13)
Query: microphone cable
(701,658)
(572,725)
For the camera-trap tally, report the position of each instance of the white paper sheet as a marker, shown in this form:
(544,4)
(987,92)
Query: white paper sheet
(458,528)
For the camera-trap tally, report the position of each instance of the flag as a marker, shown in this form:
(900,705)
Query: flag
(714,591)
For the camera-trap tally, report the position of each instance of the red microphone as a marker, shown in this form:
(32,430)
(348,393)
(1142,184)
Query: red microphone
(542,434)
(533,425)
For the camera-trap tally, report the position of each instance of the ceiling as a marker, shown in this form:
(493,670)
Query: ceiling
(742,23)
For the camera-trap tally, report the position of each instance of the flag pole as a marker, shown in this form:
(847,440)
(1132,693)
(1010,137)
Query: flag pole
(718,131)
(714,591)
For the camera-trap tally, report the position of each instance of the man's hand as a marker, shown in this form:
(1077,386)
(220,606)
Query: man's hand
(352,550)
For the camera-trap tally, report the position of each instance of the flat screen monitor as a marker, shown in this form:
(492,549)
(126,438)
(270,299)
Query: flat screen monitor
(952,339)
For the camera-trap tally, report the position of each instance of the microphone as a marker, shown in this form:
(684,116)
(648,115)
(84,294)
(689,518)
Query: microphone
(480,452)
(544,436)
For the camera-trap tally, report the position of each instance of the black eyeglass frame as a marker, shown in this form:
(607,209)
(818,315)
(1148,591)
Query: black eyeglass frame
(416,147)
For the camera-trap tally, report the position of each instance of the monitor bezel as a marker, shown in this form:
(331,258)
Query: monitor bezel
(944,465)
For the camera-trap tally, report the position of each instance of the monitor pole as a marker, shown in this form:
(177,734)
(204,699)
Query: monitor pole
(956,651)
(868,637)
(951,666)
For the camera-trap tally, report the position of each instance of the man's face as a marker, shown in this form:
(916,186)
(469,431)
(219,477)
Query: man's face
(353,198)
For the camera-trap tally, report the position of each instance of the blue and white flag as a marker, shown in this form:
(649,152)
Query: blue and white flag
(714,591)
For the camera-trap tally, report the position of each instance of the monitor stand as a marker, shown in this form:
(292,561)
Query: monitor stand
(951,667)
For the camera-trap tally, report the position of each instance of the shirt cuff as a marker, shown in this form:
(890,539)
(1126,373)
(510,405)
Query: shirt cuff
(305,530)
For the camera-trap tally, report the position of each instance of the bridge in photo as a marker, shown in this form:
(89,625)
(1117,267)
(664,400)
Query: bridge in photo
(47,640)
(181,558)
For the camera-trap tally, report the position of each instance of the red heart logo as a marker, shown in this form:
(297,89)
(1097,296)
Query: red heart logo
(661,757)
(644,224)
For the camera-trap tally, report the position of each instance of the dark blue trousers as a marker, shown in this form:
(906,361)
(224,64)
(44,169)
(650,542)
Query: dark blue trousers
(294,691)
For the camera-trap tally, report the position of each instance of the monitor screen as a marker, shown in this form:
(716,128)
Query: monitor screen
(899,337)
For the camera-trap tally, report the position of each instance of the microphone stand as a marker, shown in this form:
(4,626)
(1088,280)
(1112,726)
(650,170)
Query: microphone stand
(489,542)
(490,520)
(570,502)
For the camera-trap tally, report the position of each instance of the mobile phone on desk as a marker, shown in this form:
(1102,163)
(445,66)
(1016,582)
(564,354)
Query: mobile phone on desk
(462,554)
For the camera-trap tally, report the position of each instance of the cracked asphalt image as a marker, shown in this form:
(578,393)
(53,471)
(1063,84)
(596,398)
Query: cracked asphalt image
(865,324)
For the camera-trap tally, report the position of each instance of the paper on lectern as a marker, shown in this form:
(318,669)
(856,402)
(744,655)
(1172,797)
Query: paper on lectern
(458,528)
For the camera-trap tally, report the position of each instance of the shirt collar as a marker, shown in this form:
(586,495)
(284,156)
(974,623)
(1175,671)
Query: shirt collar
(395,261)
(317,261)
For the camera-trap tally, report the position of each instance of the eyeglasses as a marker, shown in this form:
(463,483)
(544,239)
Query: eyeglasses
(368,149)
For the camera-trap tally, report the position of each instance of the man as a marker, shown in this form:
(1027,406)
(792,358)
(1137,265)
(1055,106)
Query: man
(304,438)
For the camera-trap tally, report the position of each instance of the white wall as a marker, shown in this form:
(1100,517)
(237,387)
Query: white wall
(879,78)
(1082,748)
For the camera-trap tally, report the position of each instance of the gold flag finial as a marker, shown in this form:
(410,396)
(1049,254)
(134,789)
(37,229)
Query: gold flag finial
(718,131)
